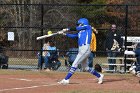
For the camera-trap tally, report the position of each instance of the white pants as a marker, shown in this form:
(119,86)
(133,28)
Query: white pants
(82,56)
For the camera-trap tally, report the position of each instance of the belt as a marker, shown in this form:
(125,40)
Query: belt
(83,44)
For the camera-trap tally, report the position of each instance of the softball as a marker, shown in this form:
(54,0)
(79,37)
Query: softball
(49,32)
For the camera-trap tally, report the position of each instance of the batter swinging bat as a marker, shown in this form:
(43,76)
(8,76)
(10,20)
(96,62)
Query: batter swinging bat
(45,36)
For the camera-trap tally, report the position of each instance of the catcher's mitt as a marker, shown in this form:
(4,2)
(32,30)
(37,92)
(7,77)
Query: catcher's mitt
(98,68)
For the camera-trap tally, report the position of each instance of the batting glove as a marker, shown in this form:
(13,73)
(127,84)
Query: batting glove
(66,29)
(62,32)
(96,31)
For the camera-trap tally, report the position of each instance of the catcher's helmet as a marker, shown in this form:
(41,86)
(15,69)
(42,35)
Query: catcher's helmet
(82,21)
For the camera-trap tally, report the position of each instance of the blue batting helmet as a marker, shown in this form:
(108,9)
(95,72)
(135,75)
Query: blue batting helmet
(83,21)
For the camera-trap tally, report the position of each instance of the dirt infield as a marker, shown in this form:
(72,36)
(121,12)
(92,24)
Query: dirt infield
(81,82)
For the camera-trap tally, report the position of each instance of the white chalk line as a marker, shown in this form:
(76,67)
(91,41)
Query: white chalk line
(31,87)
(21,88)
(22,79)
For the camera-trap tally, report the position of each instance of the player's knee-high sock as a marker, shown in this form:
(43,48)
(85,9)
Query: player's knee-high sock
(92,71)
(70,73)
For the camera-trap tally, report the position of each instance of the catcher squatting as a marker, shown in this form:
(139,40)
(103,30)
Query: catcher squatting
(84,39)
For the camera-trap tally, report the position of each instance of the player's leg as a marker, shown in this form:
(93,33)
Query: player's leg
(47,64)
(83,53)
(113,60)
(95,73)
(90,59)
(74,66)
(110,61)
(92,71)
(39,62)
(58,63)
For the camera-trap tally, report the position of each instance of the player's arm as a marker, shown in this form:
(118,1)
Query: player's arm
(94,30)
(72,35)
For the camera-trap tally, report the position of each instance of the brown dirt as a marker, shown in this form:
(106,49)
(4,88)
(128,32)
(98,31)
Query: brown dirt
(46,82)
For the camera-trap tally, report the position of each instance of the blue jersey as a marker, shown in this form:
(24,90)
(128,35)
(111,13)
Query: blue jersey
(84,35)
(137,54)
(50,48)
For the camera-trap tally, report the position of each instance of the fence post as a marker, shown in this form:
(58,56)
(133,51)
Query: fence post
(126,26)
(41,43)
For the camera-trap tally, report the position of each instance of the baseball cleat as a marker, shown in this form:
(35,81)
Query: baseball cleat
(64,82)
(100,79)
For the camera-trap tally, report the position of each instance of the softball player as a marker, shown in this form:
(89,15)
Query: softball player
(84,38)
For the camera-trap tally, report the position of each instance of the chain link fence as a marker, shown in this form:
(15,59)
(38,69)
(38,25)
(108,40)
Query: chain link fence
(29,21)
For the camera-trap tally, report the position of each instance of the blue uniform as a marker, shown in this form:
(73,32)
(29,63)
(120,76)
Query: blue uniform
(84,38)
(84,35)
